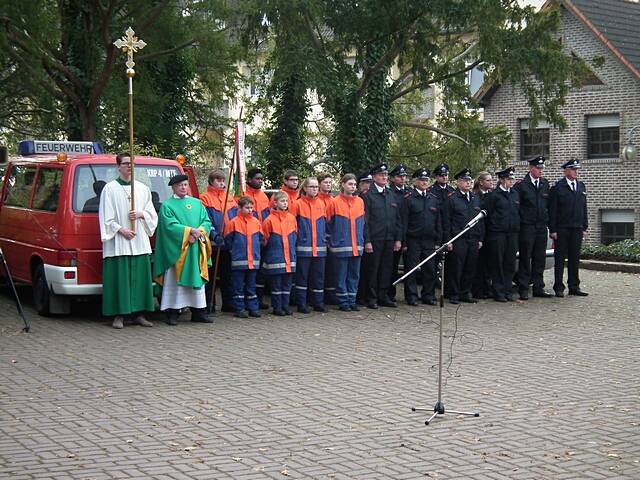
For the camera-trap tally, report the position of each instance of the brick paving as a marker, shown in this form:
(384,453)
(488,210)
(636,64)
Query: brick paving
(329,396)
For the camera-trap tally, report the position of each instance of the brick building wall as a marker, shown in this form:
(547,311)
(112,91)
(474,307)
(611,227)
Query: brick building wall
(612,183)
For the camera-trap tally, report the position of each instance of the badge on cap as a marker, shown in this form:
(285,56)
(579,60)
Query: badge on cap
(537,161)
(380,168)
(508,172)
(464,174)
(573,164)
(421,174)
(364,177)
(442,169)
(399,171)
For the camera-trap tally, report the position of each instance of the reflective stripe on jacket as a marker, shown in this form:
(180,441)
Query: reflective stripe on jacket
(242,237)
(279,254)
(345,225)
(310,215)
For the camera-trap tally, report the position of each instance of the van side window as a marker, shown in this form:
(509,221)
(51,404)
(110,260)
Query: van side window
(48,189)
(20,186)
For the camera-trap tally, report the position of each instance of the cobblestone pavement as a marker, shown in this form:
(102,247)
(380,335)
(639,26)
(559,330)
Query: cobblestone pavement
(557,383)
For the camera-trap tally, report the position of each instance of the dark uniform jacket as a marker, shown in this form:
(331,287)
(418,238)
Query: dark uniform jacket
(567,209)
(382,219)
(441,193)
(461,212)
(401,196)
(534,203)
(423,217)
(503,211)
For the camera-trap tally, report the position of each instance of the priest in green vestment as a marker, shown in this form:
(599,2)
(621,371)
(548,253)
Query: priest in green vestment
(183,253)
(126,266)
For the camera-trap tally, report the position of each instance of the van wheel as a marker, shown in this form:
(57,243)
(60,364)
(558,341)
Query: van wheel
(41,293)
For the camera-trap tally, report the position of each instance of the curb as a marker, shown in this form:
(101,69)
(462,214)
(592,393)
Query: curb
(607,266)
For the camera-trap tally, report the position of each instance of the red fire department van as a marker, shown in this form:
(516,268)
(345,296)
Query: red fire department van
(49,230)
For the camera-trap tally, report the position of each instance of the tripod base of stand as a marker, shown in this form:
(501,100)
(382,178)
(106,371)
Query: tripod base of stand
(438,409)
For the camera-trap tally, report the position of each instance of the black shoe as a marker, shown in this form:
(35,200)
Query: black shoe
(468,300)
(578,293)
(172,317)
(500,299)
(355,308)
(320,308)
(279,313)
(559,294)
(254,313)
(200,315)
(454,301)
(387,303)
(542,294)
(263,306)
(524,296)
(303,309)
(287,311)
(242,314)
(372,305)
(509,298)
(412,303)
(429,301)
(344,308)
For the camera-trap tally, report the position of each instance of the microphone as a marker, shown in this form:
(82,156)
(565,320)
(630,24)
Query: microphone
(476,219)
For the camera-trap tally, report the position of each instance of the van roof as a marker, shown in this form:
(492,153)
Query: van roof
(88,159)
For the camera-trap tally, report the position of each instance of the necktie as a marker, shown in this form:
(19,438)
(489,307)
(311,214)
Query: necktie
(573,186)
(535,182)
(466,195)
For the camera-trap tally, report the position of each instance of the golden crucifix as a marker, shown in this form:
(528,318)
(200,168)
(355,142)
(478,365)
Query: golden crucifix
(130,44)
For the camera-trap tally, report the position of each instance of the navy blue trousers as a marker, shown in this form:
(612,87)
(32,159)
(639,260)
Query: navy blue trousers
(346,271)
(243,286)
(310,281)
(280,290)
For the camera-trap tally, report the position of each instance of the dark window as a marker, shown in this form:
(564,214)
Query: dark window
(534,142)
(47,190)
(603,142)
(89,181)
(616,231)
(20,186)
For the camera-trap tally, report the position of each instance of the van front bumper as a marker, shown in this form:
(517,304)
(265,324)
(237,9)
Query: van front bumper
(69,286)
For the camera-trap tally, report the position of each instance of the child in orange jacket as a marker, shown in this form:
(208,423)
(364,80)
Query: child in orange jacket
(279,260)
(242,237)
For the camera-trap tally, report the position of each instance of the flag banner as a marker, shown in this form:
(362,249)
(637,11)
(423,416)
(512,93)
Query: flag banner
(240,166)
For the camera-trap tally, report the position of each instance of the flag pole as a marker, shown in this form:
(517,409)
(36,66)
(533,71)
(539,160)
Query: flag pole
(129,44)
(224,211)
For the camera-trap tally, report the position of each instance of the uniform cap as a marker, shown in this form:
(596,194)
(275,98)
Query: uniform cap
(177,179)
(508,172)
(537,161)
(573,164)
(421,174)
(380,168)
(365,177)
(399,170)
(442,169)
(464,174)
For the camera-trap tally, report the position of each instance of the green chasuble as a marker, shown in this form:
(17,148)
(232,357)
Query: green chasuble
(176,219)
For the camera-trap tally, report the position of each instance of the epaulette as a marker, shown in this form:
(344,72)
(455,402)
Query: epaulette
(519,181)
(451,193)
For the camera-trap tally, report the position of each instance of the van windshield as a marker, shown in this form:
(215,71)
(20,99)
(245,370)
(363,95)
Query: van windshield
(91,179)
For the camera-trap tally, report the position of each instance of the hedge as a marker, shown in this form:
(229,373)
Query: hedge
(624,251)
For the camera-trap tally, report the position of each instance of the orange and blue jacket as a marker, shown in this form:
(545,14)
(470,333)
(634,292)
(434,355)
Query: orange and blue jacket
(243,237)
(213,200)
(345,226)
(310,215)
(260,203)
(279,233)
(326,198)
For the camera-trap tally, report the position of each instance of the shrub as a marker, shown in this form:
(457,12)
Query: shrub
(624,251)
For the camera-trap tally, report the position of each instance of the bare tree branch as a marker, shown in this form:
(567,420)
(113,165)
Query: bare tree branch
(424,126)
(168,51)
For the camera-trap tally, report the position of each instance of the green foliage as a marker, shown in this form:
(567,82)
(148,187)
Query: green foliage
(624,251)
(67,73)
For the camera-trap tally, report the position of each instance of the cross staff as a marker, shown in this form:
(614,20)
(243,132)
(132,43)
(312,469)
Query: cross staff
(130,44)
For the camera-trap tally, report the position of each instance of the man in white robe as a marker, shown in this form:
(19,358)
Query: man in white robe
(127,287)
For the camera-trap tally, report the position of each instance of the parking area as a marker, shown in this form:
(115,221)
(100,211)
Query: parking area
(556,381)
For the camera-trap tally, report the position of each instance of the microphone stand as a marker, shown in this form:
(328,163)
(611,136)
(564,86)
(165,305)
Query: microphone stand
(12,286)
(438,408)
